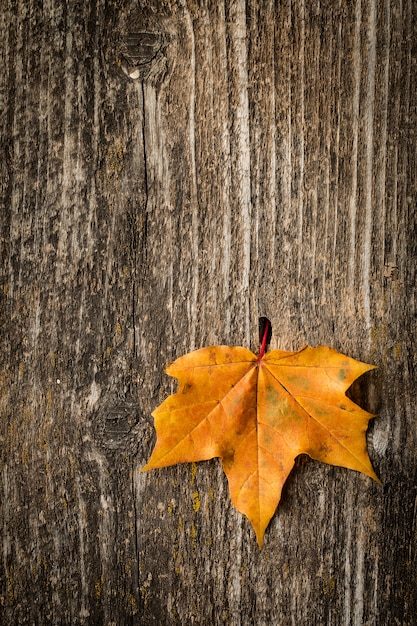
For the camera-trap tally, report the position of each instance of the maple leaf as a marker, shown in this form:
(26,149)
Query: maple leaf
(257,414)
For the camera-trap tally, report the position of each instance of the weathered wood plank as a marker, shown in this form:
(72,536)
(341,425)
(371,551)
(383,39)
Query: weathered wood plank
(261,161)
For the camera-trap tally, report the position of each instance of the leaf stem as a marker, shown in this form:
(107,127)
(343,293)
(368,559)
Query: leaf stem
(264,340)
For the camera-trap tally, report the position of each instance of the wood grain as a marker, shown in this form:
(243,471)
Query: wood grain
(263,163)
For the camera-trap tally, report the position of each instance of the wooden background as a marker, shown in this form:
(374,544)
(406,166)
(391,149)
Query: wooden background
(171,171)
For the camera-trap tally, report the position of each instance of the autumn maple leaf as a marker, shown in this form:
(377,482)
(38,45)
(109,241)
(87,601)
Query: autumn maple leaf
(257,414)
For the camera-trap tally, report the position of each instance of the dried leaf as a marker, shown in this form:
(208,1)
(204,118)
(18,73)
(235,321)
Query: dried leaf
(257,415)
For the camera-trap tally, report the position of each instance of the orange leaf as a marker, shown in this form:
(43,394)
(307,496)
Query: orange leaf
(258,415)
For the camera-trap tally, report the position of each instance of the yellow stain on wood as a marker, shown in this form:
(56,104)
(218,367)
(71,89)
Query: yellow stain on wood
(193,531)
(24,454)
(191,7)
(64,502)
(196,501)
(99,586)
(12,430)
(132,600)
(115,159)
(118,328)
(328,586)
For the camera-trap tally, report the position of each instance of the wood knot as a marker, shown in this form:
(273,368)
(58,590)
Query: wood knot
(118,425)
(138,49)
(143,54)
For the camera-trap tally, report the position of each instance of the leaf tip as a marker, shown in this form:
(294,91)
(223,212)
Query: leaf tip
(376,479)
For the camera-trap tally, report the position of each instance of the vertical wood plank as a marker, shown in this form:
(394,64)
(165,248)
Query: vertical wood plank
(260,161)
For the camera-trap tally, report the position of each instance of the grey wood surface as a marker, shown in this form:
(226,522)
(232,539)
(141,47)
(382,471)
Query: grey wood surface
(171,171)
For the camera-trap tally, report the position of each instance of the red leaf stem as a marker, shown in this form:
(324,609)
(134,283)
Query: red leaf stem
(264,340)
